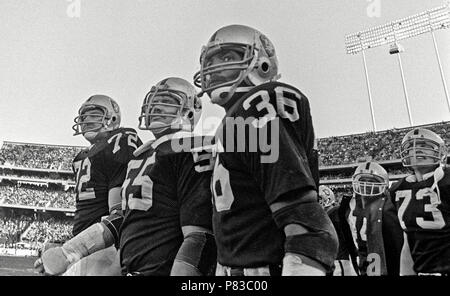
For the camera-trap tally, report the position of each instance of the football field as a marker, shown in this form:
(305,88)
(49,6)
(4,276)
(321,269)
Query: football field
(17,266)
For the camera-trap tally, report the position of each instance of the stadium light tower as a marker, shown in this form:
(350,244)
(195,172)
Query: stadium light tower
(390,33)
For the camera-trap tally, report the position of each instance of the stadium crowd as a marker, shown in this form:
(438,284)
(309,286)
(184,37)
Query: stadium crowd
(12,227)
(36,196)
(341,150)
(24,228)
(38,156)
(52,230)
(379,146)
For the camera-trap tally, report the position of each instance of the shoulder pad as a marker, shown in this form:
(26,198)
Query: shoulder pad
(143,148)
(121,144)
(182,142)
(81,155)
(396,185)
(128,130)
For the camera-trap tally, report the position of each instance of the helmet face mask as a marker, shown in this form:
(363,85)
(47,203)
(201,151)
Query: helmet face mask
(169,106)
(423,148)
(368,185)
(98,114)
(370,179)
(258,63)
(208,70)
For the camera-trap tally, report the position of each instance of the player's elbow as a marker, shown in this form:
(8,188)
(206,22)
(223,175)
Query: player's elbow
(309,231)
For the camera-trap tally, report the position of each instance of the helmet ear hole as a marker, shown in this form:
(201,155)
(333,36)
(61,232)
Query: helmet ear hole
(265,67)
(190,115)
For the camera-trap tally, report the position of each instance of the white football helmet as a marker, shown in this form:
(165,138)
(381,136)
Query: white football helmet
(108,120)
(188,106)
(326,196)
(259,63)
(421,147)
(370,179)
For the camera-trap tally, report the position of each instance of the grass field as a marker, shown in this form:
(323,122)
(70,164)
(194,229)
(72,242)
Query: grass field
(17,266)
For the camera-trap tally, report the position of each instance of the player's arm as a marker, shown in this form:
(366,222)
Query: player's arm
(197,254)
(94,238)
(311,241)
(309,140)
(406,261)
(194,256)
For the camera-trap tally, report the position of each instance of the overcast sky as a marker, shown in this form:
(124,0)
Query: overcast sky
(54,54)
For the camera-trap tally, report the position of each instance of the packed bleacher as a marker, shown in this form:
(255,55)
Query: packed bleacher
(12,227)
(341,150)
(48,230)
(28,195)
(38,156)
(24,228)
(379,146)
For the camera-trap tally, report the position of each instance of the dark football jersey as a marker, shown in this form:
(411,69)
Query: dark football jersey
(424,214)
(98,169)
(358,223)
(264,143)
(165,189)
(376,234)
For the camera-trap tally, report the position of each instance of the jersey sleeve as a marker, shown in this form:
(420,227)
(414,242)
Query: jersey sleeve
(282,158)
(392,237)
(194,179)
(120,152)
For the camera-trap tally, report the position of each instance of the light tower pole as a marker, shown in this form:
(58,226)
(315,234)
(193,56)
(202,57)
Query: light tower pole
(392,32)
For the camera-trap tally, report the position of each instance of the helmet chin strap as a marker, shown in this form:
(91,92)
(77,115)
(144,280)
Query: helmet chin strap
(222,95)
(90,136)
(175,126)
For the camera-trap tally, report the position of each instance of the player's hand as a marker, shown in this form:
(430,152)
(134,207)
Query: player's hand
(293,265)
(39,266)
(54,261)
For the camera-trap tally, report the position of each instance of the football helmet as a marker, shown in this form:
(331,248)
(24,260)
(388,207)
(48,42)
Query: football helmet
(188,106)
(326,196)
(108,120)
(259,62)
(421,147)
(370,179)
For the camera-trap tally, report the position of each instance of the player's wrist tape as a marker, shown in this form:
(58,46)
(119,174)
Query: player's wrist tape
(85,243)
(320,243)
(199,250)
(112,223)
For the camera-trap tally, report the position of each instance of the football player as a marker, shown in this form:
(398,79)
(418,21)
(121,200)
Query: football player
(422,201)
(167,228)
(376,231)
(100,171)
(266,215)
